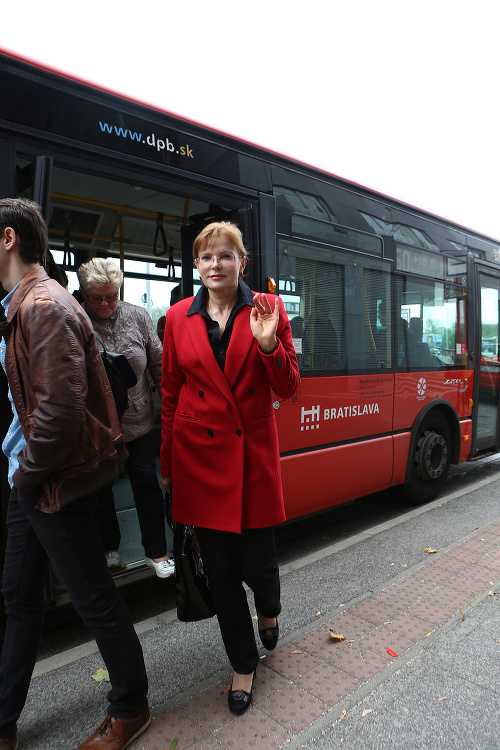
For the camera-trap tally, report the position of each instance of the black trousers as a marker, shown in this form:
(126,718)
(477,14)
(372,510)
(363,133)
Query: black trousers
(70,539)
(229,560)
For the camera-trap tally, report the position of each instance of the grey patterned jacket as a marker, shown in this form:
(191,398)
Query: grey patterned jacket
(130,331)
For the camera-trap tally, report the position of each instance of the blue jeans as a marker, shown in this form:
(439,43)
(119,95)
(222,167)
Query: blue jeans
(71,540)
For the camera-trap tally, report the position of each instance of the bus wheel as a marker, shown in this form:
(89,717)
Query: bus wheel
(430,462)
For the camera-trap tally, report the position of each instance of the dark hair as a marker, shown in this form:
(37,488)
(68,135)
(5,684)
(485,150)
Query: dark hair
(25,218)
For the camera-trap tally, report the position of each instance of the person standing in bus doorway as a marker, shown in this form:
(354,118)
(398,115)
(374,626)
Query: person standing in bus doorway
(128,329)
(175,296)
(62,446)
(223,352)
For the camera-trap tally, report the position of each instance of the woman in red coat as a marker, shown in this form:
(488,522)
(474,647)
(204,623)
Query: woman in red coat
(223,352)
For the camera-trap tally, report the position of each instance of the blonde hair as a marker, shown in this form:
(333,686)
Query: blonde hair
(99,271)
(216,230)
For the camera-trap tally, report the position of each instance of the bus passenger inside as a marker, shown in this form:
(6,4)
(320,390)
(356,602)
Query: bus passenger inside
(382,335)
(297,326)
(320,339)
(418,352)
(383,341)
(175,296)
(401,341)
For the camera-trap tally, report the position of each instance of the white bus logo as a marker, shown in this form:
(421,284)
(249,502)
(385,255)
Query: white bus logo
(421,386)
(307,417)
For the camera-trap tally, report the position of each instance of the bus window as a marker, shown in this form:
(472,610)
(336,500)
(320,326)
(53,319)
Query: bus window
(436,324)
(332,300)
(25,175)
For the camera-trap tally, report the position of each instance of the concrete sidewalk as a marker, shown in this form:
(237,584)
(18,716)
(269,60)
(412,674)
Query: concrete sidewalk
(419,666)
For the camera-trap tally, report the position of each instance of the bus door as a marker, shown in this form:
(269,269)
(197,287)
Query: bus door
(146,225)
(487,365)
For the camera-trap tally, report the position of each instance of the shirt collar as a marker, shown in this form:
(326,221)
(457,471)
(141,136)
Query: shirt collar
(245,297)
(6,300)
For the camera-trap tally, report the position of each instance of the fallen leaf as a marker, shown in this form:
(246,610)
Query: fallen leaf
(444,698)
(255,617)
(296,651)
(337,637)
(366,712)
(226,690)
(102,675)
(430,550)
(343,715)
(430,632)
(173,744)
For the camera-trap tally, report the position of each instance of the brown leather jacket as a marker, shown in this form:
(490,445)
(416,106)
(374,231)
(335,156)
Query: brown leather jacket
(61,394)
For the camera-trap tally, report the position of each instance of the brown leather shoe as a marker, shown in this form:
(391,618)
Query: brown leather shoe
(116,733)
(9,744)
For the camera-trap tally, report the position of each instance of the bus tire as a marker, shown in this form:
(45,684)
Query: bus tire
(430,462)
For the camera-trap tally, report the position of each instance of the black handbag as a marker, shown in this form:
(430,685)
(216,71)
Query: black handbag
(193,595)
(121,377)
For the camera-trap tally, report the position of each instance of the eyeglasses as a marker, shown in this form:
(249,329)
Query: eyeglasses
(207,260)
(99,300)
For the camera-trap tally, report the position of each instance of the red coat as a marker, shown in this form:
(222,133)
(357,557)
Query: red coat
(219,434)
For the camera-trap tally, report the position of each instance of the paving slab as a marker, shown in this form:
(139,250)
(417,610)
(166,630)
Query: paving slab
(419,660)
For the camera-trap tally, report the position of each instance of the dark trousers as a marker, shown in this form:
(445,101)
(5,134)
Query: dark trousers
(148,498)
(229,560)
(71,540)
(107,520)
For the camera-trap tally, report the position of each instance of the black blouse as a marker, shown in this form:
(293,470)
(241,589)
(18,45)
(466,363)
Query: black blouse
(219,345)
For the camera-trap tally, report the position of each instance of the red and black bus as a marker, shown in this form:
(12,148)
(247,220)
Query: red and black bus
(395,312)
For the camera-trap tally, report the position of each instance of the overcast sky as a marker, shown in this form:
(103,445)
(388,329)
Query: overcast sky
(398,95)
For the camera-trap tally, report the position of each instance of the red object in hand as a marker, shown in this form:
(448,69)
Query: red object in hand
(391,652)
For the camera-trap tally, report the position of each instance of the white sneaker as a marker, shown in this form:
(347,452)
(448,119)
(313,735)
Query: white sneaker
(113,560)
(163,569)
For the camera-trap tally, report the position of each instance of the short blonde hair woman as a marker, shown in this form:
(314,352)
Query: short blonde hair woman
(223,352)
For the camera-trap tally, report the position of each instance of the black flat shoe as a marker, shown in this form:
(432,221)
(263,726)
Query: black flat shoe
(239,700)
(269,637)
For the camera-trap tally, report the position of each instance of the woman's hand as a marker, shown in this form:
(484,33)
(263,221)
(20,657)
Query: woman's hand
(264,322)
(167,484)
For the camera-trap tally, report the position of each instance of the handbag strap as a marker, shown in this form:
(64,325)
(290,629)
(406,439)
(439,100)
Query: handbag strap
(101,342)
